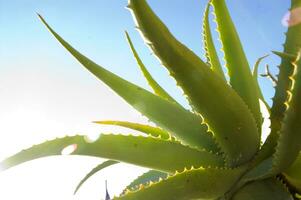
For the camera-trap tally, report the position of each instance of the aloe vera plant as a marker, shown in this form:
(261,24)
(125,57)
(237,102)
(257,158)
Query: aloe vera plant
(214,150)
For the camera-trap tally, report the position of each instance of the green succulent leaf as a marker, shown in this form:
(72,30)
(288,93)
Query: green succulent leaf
(181,123)
(163,155)
(149,130)
(201,183)
(94,171)
(151,81)
(263,190)
(289,144)
(145,179)
(211,54)
(286,56)
(255,76)
(291,48)
(261,171)
(238,67)
(256,67)
(293,174)
(233,125)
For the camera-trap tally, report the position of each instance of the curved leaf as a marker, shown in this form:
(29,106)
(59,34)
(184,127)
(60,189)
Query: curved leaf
(233,125)
(183,124)
(236,61)
(256,66)
(210,50)
(263,190)
(255,76)
(94,171)
(145,179)
(162,155)
(199,183)
(261,171)
(289,145)
(291,48)
(150,130)
(293,174)
(151,81)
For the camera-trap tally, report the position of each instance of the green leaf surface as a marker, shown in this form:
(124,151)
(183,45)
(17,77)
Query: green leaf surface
(181,123)
(291,48)
(211,54)
(263,190)
(255,76)
(289,145)
(233,125)
(149,130)
(256,67)
(293,174)
(94,171)
(151,81)
(236,61)
(199,183)
(145,179)
(163,155)
(259,172)
(255,173)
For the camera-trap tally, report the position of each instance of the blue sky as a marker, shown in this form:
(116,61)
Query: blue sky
(45,93)
(97,29)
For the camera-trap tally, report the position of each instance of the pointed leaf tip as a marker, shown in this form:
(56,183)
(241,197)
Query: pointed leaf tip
(162,112)
(236,133)
(94,171)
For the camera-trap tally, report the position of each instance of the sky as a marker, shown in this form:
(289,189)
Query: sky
(45,93)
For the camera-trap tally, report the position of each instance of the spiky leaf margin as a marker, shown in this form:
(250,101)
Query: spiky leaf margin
(291,48)
(151,81)
(95,170)
(210,51)
(149,130)
(238,67)
(233,125)
(200,183)
(183,124)
(163,155)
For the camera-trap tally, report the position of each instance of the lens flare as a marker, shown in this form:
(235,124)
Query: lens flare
(292,18)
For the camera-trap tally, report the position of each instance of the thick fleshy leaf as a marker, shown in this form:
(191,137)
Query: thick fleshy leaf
(145,179)
(94,171)
(151,81)
(183,124)
(289,145)
(233,125)
(236,61)
(190,184)
(211,54)
(255,76)
(259,172)
(149,130)
(163,155)
(263,190)
(293,174)
(291,48)
(256,66)
(256,173)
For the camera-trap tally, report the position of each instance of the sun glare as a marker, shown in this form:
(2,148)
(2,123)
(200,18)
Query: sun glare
(53,177)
